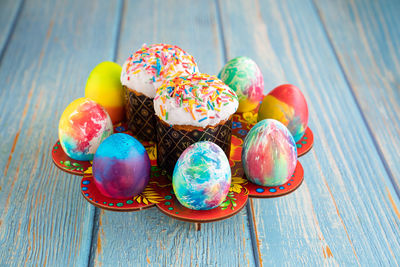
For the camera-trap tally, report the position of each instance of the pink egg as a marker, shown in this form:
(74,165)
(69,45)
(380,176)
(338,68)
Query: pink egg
(269,154)
(83,125)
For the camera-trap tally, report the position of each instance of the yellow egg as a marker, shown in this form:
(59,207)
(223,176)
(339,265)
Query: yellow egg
(104,87)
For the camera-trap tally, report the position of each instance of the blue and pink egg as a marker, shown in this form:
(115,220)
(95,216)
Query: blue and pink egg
(83,125)
(121,167)
(202,176)
(269,154)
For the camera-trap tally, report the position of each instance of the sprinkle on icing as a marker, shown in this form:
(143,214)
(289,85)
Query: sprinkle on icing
(146,69)
(197,99)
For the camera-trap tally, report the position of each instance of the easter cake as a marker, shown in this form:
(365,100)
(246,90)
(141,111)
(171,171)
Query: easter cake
(193,108)
(142,73)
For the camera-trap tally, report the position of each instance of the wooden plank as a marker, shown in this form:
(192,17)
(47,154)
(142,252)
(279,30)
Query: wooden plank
(149,237)
(153,239)
(199,36)
(43,218)
(9,11)
(369,55)
(346,212)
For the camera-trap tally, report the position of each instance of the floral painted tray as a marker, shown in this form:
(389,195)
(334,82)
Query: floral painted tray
(159,191)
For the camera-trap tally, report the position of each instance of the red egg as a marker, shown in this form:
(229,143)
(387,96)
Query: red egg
(287,104)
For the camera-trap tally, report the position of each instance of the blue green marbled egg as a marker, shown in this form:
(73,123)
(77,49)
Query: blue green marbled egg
(202,176)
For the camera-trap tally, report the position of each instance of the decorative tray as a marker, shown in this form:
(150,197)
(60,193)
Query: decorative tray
(159,191)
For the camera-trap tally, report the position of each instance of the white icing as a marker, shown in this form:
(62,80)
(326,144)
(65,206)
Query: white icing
(177,115)
(146,80)
(141,82)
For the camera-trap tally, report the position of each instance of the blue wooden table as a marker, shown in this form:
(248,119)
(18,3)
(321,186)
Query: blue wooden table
(345,57)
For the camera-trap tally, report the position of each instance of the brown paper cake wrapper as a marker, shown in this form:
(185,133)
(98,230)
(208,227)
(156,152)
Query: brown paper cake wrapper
(140,115)
(173,140)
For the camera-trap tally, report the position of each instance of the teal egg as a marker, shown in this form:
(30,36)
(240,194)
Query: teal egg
(202,176)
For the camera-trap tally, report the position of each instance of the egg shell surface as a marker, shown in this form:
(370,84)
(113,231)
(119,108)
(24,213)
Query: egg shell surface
(269,154)
(287,104)
(83,125)
(202,176)
(104,87)
(244,77)
(121,167)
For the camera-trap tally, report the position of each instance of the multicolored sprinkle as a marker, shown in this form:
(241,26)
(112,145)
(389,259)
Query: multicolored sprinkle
(152,64)
(197,99)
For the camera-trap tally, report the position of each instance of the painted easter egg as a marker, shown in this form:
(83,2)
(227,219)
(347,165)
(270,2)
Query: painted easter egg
(104,87)
(83,125)
(121,167)
(202,176)
(244,77)
(286,104)
(269,154)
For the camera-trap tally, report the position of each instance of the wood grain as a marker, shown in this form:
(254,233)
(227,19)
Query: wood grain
(368,52)
(343,213)
(195,30)
(53,47)
(149,238)
(9,11)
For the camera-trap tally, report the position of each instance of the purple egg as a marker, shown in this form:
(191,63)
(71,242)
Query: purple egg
(121,167)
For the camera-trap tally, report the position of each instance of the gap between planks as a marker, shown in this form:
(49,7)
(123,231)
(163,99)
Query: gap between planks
(11,30)
(95,245)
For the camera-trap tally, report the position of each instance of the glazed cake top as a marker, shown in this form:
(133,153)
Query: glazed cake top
(146,69)
(199,100)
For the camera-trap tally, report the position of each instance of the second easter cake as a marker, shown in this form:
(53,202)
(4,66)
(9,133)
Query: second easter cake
(193,108)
